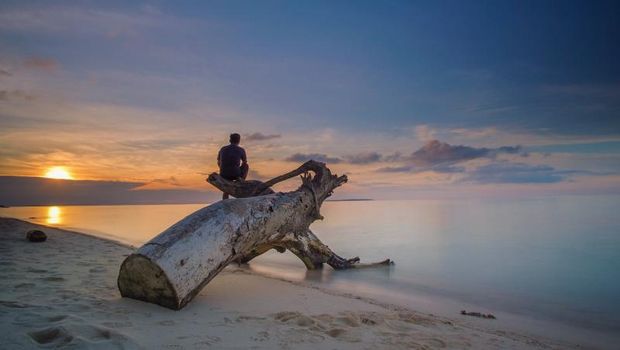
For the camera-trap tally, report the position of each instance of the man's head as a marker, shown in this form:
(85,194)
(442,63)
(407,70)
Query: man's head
(235,138)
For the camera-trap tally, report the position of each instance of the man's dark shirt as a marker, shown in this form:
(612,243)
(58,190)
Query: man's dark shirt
(229,158)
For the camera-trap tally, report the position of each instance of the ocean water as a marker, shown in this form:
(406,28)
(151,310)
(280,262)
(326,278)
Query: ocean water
(552,259)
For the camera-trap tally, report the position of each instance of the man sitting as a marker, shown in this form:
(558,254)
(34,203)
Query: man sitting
(232,161)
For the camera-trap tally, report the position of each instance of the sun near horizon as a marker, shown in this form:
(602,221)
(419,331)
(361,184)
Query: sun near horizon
(58,172)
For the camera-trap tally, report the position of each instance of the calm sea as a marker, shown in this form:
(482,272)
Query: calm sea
(549,260)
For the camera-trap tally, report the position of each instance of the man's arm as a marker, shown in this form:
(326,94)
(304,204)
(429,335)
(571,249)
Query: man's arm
(219,155)
(244,159)
(245,168)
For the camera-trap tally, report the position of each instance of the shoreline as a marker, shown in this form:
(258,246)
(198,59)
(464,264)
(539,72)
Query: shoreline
(279,312)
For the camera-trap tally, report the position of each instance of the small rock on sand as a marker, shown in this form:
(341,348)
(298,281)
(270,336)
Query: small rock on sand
(36,236)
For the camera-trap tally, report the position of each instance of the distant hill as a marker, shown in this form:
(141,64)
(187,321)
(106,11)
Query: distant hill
(22,190)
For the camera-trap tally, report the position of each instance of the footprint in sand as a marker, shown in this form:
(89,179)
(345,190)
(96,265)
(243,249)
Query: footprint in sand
(24,285)
(343,335)
(77,307)
(53,279)
(261,336)
(250,318)
(415,319)
(13,304)
(435,343)
(117,324)
(369,320)
(97,269)
(207,341)
(397,325)
(349,320)
(57,318)
(33,270)
(78,335)
(294,317)
(336,332)
(57,336)
(340,328)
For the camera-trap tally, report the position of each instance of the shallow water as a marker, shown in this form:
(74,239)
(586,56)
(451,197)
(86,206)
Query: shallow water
(554,259)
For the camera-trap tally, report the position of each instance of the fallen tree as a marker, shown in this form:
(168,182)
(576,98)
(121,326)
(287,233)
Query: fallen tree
(173,267)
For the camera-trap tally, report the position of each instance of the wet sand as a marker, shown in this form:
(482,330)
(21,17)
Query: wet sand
(62,293)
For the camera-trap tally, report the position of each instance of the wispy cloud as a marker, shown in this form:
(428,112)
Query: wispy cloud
(257,136)
(303,157)
(434,155)
(357,159)
(425,133)
(363,158)
(41,63)
(505,172)
(584,90)
(440,157)
(59,19)
(441,168)
(21,95)
(436,152)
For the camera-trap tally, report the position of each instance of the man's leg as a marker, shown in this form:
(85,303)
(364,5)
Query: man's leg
(225,195)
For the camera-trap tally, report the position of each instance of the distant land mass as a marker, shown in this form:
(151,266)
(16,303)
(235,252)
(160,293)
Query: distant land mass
(26,191)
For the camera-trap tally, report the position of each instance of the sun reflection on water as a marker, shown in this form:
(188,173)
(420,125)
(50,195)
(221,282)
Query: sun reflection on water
(53,215)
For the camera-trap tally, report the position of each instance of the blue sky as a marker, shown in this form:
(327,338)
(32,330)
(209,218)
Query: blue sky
(151,89)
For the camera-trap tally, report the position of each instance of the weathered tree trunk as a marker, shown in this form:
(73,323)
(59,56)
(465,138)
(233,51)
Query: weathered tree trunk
(173,267)
(304,245)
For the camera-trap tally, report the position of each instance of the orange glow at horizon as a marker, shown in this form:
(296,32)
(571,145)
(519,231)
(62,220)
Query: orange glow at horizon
(58,172)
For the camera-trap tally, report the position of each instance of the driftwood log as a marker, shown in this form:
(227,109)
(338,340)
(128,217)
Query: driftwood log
(174,266)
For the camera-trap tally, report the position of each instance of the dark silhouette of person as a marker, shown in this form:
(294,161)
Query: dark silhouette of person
(232,161)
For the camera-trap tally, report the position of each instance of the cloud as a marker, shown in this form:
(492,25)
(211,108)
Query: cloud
(441,157)
(156,144)
(396,169)
(359,158)
(505,172)
(448,169)
(5,73)
(587,90)
(477,133)
(434,155)
(9,95)
(101,22)
(41,63)
(441,168)
(255,175)
(319,157)
(394,157)
(363,158)
(168,181)
(18,190)
(425,133)
(257,136)
(435,152)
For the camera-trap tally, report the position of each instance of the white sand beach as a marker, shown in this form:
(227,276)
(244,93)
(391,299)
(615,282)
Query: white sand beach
(62,294)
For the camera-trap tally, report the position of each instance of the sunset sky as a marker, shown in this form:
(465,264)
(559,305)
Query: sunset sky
(411,99)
